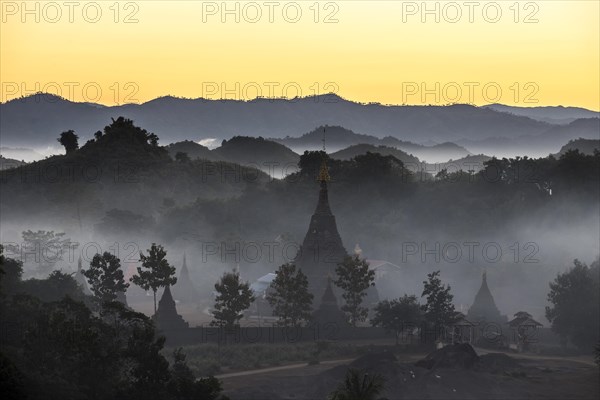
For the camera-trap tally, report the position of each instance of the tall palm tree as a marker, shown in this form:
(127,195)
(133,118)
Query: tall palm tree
(359,385)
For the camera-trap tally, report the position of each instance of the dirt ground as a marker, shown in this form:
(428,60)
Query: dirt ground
(502,377)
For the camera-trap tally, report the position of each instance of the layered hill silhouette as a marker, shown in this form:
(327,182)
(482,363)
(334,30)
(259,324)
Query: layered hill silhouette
(548,142)
(8,163)
(122,159)
(553,115)
(585,146)
(194,150)
(37,120)
(338,138)
(359,149)
(268,156)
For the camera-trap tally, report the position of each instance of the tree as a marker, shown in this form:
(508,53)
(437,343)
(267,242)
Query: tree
(398,314)
(182,157)
(155,272)
(439,310)
(70,140)
(233,297)
(184,386)
(354,277)
(64,350)
(359,385)
(57,286)
(106,277)
(575,299)
(289,296)
(44,248)
(10,273)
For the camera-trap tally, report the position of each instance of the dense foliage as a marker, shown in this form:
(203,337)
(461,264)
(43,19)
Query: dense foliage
(105,277)
(438,310)
(233,297)
(155,272)
(55,347)
(575,305)
(359,385)
(398,315)
(289,297)
(354,277)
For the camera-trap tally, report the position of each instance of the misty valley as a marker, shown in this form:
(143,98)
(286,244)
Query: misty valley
(299,200)
(189,272)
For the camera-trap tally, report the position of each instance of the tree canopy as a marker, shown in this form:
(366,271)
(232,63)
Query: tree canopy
(289,297)
(438,310)
(354,277)
(233,297)
(155,272)
(105,277)
(575,305)
(69,140)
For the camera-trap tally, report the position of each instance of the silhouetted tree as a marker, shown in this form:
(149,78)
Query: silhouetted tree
(184,386)
(10,273)
(106,277)
(439,310)
(575,299)
(289,297)
(155,272)
(69,140)
(233,297)
(54,288)
(354,277)
(45,248)
(398,315)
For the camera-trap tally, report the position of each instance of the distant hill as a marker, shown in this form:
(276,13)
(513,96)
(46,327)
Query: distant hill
(7,163)
(267,155)
(433,153)
(338,138)
(469,163)
(554,115)
(37,120)
(585,146)
(93,180)
(192,149)
(540,145)
(358,149)
(21,153)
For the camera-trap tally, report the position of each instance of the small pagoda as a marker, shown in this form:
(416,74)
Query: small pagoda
(329,312)
(166,317)
(184,291)
(484,307)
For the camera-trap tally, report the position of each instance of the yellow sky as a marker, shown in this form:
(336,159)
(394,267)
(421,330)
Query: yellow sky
(376,51)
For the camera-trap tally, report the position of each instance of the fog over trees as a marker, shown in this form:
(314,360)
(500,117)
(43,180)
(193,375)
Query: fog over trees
(417,243)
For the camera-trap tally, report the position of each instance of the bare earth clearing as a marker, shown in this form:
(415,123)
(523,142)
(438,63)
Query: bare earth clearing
(497,376)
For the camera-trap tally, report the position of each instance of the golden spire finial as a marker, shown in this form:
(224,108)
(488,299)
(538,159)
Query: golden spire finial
(324,172)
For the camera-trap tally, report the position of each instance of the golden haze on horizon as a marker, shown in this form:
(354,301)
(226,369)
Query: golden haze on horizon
(365,51)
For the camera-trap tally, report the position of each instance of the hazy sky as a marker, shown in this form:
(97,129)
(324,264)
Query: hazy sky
(512,52)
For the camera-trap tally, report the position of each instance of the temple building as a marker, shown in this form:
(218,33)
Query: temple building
(322,248)
(484,307)
(166,317)
(329,310)
(184,291)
